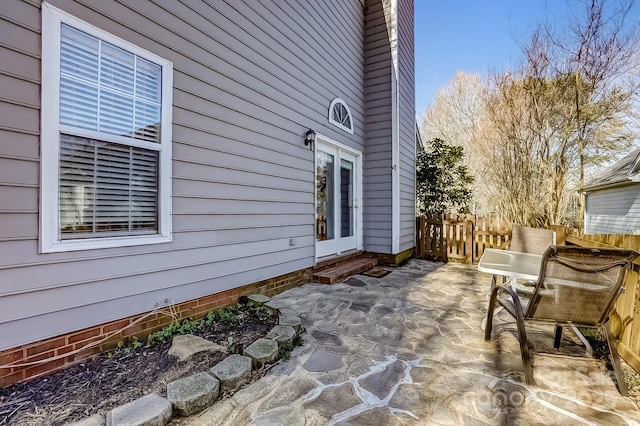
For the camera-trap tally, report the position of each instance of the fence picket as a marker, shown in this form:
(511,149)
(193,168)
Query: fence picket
(462,237)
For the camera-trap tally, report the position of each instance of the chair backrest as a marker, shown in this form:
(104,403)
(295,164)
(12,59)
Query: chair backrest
(578,284)
(531,240)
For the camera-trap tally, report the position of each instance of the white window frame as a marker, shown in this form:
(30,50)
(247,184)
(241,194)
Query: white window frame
(50,240)
(336,123)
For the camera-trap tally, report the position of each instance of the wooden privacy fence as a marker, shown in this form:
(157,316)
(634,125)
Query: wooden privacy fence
(459,236)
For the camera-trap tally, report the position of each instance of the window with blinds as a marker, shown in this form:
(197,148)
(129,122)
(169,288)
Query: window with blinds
(106,188)
(107,89)
(110,115)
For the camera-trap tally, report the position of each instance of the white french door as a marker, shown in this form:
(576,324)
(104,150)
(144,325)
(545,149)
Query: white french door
(338,192)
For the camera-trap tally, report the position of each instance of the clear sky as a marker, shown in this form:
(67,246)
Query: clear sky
(476,36)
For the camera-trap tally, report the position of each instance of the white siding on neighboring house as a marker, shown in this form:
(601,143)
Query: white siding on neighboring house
(613,211)
(249,79)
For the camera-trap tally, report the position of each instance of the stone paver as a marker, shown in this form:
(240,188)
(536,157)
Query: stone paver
(408,349)
(184,346)
(321,361)
(232,372)
(192,394)
(150,410)
(262,351)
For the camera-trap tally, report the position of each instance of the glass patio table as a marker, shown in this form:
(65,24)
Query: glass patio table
(512,264)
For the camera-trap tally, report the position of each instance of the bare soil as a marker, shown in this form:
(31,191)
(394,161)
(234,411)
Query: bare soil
(107,381)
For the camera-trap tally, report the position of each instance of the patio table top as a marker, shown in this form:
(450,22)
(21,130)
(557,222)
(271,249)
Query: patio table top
(513,264)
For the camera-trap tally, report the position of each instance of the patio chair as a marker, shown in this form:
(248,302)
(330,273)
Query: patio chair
(531,240)
(525,239)
(576,286)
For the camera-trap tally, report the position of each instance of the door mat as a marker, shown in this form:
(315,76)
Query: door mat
(354,282)
(376,273)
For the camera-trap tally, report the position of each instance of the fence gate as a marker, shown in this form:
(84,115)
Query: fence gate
(459,236)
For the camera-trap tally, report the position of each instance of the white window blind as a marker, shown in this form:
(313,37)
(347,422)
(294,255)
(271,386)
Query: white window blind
(107,89)
(107,188)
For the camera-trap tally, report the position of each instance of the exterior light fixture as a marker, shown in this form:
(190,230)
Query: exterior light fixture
(309,139)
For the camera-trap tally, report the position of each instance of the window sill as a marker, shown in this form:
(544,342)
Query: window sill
(102,243)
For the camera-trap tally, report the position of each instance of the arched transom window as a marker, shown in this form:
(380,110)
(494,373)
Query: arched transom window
(340,115)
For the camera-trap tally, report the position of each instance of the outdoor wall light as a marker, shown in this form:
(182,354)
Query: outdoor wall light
(309,139)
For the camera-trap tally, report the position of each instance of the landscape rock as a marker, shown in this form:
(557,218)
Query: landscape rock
(291,320)
(192,394)
(284,335)
(258,299)
(274,307)
(262,351)
(265,302)
(150,410)
(233,372)
(184,346)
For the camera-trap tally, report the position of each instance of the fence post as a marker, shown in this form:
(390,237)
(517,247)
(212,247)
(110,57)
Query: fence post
(424,233)
(561,235)
(469,241)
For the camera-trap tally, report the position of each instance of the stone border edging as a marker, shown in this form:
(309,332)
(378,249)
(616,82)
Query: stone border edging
(192,394)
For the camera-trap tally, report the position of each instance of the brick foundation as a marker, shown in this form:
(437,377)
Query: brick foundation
(66,343)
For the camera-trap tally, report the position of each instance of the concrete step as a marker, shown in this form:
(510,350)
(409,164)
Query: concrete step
(344,270)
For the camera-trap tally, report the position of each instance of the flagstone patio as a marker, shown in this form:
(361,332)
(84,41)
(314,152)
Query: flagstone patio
(408,349)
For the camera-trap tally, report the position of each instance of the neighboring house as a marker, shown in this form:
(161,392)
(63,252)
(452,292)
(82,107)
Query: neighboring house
(612,203)
(153,153)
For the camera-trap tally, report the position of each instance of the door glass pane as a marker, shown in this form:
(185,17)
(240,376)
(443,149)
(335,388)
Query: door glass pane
(346,198)
(324,196)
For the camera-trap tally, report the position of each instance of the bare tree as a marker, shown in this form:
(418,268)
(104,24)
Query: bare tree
(455,116)
(601,55)
(526,151)
(531,132)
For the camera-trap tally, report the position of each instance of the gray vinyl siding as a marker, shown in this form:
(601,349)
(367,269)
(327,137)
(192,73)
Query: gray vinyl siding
(407,123)
(377,167)
(378,192)
(613,211)
(249,79)
(19,125)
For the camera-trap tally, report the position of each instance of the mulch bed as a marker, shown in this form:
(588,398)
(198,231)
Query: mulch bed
(105,382)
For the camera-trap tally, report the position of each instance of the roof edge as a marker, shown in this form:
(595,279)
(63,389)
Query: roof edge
(626,182)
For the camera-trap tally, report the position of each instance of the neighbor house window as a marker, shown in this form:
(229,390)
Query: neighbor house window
(340,115)
(106,139)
